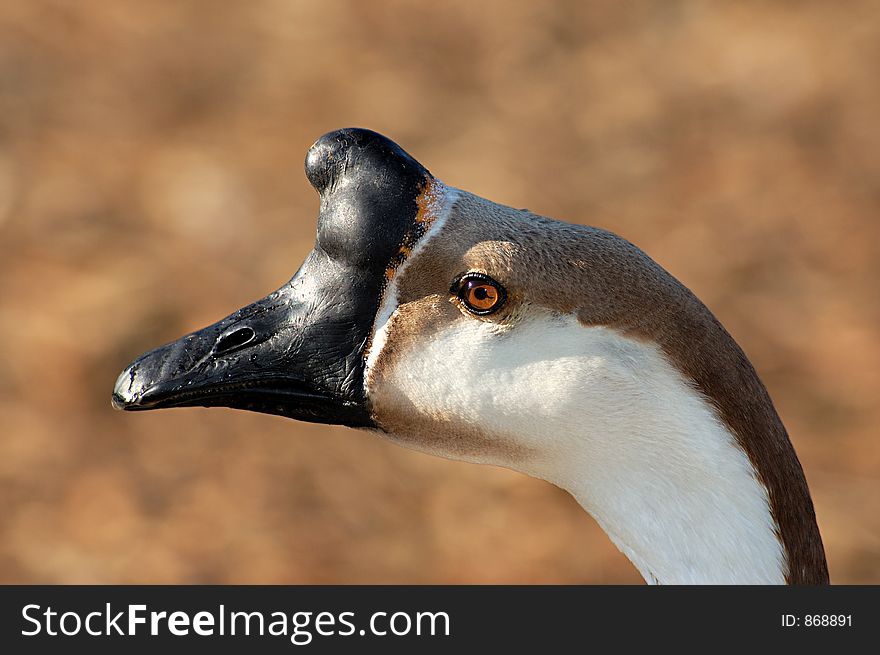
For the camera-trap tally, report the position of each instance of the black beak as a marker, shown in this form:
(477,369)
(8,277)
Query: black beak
(295,353)
(299,352)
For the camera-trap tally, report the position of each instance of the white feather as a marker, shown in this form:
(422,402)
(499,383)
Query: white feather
(610,420)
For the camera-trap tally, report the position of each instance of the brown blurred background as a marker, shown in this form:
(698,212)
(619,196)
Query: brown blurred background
(151,182)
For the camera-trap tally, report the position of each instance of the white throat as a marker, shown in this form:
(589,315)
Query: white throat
(610,420)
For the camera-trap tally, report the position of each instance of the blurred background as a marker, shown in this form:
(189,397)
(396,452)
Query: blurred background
(151,182)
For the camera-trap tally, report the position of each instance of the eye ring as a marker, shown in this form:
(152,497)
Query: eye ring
(479,293)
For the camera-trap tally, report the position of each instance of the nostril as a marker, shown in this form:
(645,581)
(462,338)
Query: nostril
(235,339)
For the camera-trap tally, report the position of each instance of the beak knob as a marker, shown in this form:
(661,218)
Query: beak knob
(362,156)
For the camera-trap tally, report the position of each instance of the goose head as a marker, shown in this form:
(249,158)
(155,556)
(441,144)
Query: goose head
(466,329)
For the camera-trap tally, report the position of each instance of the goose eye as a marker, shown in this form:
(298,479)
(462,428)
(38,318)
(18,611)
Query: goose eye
(480,294)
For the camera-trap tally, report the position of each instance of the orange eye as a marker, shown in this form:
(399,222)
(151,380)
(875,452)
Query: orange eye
(480,293)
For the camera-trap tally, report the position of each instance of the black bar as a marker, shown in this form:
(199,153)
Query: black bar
(566,619)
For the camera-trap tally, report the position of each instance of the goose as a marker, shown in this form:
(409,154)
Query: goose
(466,329)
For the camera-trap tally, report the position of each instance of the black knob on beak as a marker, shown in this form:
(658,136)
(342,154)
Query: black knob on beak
(360,155)
(369,188)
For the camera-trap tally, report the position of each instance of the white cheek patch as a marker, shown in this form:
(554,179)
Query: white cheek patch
(613,422)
